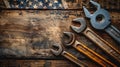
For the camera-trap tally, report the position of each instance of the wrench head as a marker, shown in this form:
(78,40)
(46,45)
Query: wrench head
(56,49)
(82,25)
(68,38)
(100,19)
(87,13)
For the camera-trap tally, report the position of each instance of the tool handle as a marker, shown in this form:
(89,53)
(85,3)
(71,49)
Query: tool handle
(92,55)
(74,59)
(114,33)
(108,48)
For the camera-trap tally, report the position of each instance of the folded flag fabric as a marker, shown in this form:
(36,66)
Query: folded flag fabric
(36,4)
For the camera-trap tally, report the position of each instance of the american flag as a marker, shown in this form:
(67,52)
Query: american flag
(36,4)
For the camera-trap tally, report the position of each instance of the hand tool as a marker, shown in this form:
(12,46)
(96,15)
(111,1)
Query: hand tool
(85,50)
(100,20)
(58,50)
(108,48)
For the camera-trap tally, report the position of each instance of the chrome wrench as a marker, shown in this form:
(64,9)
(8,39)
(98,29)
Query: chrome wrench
(85,50)
(100,20)
(58,50)
(108,48)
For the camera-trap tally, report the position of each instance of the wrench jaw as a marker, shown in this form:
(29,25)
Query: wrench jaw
(82,25)
(99,13)
(68,38)
(87,13)
(56,49)
(96,4)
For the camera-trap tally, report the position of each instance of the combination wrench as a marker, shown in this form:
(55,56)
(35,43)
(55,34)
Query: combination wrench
(104,45)
(100,20)
(58,50)
(71,41)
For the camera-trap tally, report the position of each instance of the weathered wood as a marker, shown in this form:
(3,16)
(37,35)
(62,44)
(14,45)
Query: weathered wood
(30,33)
(72,4)
(39,63)
(26,33)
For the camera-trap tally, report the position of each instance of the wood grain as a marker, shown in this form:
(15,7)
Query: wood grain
(75,4)
(38,63)
(30,33)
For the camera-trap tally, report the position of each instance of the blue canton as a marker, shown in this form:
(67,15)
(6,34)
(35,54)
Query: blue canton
(36,4)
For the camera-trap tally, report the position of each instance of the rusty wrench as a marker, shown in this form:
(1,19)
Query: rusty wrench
(85,50)
(108,48)
(58,50)
(100,20)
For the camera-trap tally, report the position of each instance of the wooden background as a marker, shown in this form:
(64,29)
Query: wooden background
(28,34)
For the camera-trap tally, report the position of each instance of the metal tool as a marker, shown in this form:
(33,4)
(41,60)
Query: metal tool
(58,50)
(108,48)
(100,20)
(85,50)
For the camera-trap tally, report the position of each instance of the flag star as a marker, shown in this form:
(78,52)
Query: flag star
(30,3)
(50,4)
(55,1)
(40,4)
(16,6)
(44,7)
(46,0)
(60,5)
(35,6)
(22,2)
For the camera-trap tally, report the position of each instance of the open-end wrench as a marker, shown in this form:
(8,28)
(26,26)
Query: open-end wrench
(58,50)
(85,50)
(100,20)
(108,48)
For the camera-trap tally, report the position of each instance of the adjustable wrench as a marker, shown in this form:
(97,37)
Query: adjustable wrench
(85,50)
(100,20)
(108,48)
(57,50)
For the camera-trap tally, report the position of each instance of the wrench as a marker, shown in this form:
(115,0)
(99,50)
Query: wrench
(58,50)
(100,20)
(108,48)
(85,50)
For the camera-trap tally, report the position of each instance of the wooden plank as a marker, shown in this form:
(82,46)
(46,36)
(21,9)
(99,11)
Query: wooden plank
(39,63)
(66,4)
(26,32)
(30,33)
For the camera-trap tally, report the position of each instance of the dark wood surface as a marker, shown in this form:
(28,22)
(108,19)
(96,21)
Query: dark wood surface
(40,63)
(31,32)
(28,34)
(67,4)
